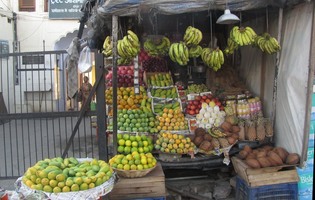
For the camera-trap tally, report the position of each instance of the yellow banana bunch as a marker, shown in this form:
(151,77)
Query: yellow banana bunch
(195,51)
(107,47)
(192,36)
(231,47)
(213,58)
(157,47)
(267,43)
(243,36)
(179,53)
(129,46)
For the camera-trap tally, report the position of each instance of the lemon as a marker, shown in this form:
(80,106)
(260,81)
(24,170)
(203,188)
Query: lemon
(133,167)
(75,187)
(66,189)
(78,181)
(45,181)
(126,167)
(53,183)
(57,190)
(91,185)
(120,166)
(61,177)
(84,186)
(69,182)
(47,188)
(144,161)
(61,184)
(139,167)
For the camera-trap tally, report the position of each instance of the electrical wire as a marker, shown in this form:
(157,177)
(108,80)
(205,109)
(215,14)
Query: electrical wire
(32,32)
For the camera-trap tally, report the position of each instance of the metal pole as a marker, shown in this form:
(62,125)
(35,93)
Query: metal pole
(115,56)
(309,94)
(100,107)
(275,86)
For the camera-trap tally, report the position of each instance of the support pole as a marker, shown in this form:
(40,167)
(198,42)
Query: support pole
(100,107)
(115,56)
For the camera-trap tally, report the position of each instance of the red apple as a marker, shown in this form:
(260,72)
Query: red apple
(204,97)
(196,102)
(191,112)
(198,98)
(193,107)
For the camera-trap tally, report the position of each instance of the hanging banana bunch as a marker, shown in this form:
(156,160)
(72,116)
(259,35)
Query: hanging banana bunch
(243,36)
(213,58)
(195,51)
(128,47)
(231,47)
(157,47)
(192,36)
(107,47)
(267,43)
(179,53)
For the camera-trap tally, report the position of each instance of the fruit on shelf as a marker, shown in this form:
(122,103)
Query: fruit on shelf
(57,175)
(157,46)
(193,107)
(210,115)
(159,107)
(168,142)
(155,64)
(159,80)
(127,143)
(126,97)
(213,58)
(135,121)
(133,161)
(179,53)
(192,36)
(143,56)
(170,92)
(125,77)
(171,120)
(196,88)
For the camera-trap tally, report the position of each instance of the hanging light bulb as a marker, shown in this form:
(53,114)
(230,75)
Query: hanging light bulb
(227,17)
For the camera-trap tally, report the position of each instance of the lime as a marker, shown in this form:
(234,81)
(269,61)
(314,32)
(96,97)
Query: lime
(140,149)
(84,186)
(133,167)
(134,121)
(124,161)
(133,149)
(120,166)
(122,128)
(127,150)
(126,167)
(139,167)
(127,121)
(146,149)
(140,144)
(119,136)
(121,142)
(126,136)
(125,116)
(120,149)
(122,120)
(128,143)
(131,116)
(134,144)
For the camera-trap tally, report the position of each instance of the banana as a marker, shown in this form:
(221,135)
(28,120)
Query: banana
(221,57)
(171,53)
(133,36)
(133,42)
(251,31)
(188,29)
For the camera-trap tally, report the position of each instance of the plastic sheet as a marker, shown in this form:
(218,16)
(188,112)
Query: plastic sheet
(133,7)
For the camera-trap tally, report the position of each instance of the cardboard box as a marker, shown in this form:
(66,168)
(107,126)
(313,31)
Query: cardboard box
(265,176)
(151,185)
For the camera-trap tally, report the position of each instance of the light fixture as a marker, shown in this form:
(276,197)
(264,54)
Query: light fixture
(227,17)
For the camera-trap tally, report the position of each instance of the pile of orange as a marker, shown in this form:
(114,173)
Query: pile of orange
(172,120)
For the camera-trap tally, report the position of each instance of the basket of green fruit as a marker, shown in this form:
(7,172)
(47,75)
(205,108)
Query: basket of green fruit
(133,165)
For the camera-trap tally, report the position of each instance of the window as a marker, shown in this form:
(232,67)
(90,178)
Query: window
(45,5)
(27,5)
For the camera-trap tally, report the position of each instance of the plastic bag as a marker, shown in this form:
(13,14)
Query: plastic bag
(85,63)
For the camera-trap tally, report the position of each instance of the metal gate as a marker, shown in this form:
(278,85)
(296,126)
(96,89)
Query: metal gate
(35,116)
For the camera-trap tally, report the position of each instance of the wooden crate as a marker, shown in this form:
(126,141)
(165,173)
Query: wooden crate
(265,176)
(151,185)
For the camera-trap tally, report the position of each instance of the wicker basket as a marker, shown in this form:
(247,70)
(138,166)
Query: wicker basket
(133,173)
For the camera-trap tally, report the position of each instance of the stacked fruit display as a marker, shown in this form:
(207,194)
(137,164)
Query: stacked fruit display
(125,77)
(128,143)
(126,97)
(172,120)
(179,53)
(157,46)
(243,35)
(133,161)
(210,115)
(159,107)
(267,156)
(143,56)
(208,140)
(145,105)
(155,64)
(168,142)
(159,80)
(192,36)
(135,120)
(65,175)
(165,93)
(194,106)
(196,88)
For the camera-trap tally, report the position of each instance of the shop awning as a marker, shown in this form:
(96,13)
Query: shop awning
(168,7)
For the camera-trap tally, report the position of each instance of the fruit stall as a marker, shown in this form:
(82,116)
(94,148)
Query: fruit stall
(183,92)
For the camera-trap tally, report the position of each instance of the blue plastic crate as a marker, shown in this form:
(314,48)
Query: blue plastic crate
(283,191)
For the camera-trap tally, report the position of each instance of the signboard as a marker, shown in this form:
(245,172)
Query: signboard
(65,9)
